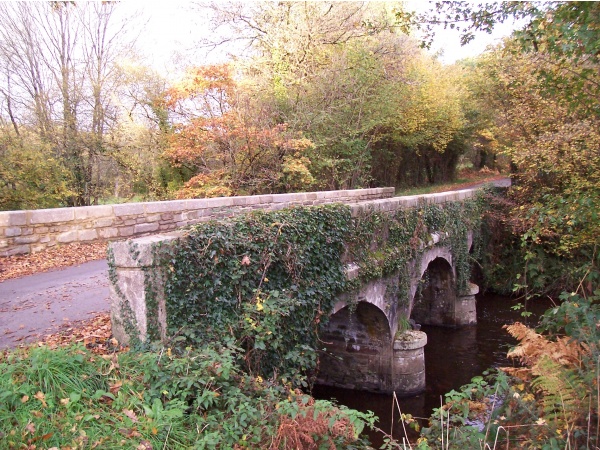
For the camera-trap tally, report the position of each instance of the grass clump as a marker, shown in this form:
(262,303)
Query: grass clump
(69,398)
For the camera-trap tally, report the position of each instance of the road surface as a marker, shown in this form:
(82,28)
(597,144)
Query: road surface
(36,305)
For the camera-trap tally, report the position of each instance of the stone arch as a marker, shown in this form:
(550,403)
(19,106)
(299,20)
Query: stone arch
(380,293)
(420,265)
(358,349)
(435,299)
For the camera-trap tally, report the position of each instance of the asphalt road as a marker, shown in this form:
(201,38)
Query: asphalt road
(40,304)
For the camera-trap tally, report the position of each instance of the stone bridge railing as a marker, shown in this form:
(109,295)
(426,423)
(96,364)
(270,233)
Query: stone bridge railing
(35,230)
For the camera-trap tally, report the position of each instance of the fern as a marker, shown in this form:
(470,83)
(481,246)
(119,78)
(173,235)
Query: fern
(556,370)
(564,392)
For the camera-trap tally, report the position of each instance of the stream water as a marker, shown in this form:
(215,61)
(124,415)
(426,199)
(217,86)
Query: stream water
(452,358)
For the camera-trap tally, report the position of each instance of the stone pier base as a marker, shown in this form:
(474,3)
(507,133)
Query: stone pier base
(465,310)
(408,363)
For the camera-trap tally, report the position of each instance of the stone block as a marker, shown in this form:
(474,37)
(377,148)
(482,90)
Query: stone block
(88,235)
(126,231)
(153,218)
(265,199)
(283,198)
(145,228)
(51,215)
(195,204)
(356,209)
(219,202)
(108,233)
(102,223)
(167,227)
(128,209)
(166,206)
(241,201)
(12,232)
(38,247)
(139,252)
(13,218)
(93,212)
(128,306)
(66,237)
(16,250)
(26,239)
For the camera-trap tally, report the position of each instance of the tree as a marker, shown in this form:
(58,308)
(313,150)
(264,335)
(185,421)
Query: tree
(228,143)
(58,79)
(562,36)
(29,178)
(344,76)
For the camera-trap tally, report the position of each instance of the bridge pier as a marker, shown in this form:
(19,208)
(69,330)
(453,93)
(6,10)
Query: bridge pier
(408,363)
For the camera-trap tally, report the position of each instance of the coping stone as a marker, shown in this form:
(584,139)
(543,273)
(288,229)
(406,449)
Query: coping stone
(13,218)
(134,253)
(92,212)
(128,209)
(165,206)
(51,215)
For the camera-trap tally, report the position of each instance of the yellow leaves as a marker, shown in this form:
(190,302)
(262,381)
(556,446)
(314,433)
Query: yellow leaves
(529,397)
(24,399)
(64,401)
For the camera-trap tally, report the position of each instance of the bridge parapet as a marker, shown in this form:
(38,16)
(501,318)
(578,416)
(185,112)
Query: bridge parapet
(34,230)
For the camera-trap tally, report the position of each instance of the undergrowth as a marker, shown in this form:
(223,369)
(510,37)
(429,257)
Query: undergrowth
(69,398)
(549,400)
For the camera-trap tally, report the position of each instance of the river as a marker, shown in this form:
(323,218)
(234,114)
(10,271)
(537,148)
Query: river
(452,357)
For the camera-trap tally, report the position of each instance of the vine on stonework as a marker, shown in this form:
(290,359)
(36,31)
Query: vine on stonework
(383,243)
(265,280)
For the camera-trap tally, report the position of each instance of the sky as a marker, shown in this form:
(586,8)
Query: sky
(169,29)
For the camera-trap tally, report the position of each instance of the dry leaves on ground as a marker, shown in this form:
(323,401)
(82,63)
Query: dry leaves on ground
(95,334)
(17,266)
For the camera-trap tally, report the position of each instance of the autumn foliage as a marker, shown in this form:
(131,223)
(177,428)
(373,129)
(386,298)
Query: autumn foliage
(231,147)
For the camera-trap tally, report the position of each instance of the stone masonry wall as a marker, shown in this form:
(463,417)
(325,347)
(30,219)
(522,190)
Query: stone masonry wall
(35,230)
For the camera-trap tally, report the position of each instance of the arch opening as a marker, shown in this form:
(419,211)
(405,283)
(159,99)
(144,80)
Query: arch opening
(358,349)
(435,298)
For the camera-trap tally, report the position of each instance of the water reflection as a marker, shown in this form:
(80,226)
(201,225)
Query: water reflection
(452,358)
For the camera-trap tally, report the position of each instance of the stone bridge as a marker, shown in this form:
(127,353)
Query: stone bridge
(373,339)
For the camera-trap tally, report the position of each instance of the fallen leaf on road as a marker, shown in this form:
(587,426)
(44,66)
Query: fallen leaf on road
(52,258)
